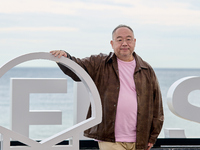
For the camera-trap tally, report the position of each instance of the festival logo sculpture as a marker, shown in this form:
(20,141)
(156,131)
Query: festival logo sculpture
(178,103)
(177,98)
(73,132)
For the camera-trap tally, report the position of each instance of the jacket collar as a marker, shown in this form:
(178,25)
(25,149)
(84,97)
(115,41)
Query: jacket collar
(140,63)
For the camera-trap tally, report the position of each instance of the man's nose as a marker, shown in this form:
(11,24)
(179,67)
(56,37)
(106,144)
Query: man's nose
(124,42)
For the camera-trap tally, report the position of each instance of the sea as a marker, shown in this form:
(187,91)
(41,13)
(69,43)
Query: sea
(65,102)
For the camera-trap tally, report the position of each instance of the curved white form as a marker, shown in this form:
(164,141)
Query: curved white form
(177,98)
(73,132)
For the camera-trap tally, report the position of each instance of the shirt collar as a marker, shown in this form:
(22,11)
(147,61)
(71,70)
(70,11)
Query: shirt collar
(140,64)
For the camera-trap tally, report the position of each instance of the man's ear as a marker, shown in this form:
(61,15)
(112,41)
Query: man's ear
(111,42)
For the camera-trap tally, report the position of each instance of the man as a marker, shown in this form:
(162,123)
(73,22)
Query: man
(129,91)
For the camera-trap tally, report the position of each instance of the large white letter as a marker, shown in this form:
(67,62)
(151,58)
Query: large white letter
(177,98)
(22,117)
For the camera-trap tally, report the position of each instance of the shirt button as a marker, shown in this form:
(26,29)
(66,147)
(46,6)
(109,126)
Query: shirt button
(114,105)
(118,88)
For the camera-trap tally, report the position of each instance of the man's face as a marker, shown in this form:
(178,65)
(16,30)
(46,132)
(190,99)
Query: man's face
(123,43)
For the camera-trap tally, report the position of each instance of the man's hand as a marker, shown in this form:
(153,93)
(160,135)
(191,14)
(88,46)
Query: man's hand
(58,53)
(150,145)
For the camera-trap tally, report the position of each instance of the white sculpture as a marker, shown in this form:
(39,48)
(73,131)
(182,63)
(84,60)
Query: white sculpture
(73,132)
(177,100)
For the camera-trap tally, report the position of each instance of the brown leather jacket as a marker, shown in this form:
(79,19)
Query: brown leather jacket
(103,69)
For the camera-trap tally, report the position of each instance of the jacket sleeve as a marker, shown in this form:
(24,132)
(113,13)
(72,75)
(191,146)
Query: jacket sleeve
(89,64)
(158,116)
(67,71)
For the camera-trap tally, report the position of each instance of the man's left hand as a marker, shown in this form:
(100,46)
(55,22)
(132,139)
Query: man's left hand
(150,145)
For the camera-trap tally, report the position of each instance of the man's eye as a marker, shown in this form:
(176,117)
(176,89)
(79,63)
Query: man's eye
(119,40)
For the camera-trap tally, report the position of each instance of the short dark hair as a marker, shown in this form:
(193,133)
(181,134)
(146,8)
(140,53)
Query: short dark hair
(120,26)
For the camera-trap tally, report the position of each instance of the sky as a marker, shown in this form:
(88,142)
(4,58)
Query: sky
(167,32)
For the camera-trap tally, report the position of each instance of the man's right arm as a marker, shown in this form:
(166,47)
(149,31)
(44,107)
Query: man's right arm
(66,70)
(89,64)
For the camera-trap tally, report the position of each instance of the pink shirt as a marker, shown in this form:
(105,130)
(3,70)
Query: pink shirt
(126,116)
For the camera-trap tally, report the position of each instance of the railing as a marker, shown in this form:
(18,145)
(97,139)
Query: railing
(161,143)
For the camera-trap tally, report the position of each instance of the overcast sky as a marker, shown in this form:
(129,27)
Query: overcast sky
(167,31)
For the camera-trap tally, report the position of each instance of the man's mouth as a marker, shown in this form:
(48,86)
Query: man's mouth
(124,49)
